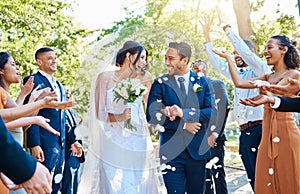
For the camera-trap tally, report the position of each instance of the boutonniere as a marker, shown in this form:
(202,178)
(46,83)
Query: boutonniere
(197,88)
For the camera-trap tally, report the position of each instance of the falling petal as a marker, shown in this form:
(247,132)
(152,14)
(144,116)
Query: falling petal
(160,128)
(158,116)
(223,68)
(159,80)
(215,134)
(253,149)
(173,169)
(251,112)
(276,139)
(191,113)
(217,100)
(158,100)
(247,133)
(169,167)
(208,165)
(164,157)
(217,175)
(165,79)
(213,127)
(271,171)
(192,79)
(235,182)
(163,167)
(58,178)
(208,180)
(269,184)
(193,109)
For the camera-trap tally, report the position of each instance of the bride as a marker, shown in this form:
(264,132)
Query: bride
(121,160)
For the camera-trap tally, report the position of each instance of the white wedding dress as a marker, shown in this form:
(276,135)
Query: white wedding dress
(120,161)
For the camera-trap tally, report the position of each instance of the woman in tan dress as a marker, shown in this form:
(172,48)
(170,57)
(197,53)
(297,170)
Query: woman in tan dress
(278,166)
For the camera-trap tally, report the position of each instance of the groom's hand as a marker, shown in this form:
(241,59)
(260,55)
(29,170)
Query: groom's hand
(192,127)
(172,112)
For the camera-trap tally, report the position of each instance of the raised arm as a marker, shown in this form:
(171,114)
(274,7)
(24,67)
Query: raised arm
(238,81)
(248,55)
(9,114)
(206,22)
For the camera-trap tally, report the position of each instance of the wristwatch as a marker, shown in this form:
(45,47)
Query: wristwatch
(226,26)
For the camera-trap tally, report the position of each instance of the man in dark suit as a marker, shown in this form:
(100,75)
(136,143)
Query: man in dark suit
(21,168)
(46,147)
(215,173)
(181,103)
(73,152)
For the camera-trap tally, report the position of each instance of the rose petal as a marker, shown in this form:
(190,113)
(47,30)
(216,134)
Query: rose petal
(276,139)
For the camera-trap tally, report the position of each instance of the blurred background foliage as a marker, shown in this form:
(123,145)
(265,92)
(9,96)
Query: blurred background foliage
(27,25)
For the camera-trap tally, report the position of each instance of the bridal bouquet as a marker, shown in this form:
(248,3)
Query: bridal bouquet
(129,90)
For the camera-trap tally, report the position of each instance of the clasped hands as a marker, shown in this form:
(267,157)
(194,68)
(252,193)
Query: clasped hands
(173,111)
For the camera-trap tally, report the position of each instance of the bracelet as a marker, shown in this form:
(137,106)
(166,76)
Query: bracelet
(226,26)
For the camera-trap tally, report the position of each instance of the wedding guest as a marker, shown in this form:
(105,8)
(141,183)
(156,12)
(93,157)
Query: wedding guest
(215,173)
(10,74)
(248,118)
(46,147)
(185,115)
(281,136)
(22,169)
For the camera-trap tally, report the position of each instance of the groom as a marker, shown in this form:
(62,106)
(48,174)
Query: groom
(180,101)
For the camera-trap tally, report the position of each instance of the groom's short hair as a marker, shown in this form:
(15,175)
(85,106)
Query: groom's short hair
(183,48)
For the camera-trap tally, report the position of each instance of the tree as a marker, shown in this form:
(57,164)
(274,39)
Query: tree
(30,24)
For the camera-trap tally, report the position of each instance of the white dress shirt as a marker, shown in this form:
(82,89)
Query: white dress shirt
(53,83)
(186,80)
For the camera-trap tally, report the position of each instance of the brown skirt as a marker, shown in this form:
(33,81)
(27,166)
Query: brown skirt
(278,158)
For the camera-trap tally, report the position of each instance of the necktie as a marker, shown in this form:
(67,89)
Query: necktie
(182,87)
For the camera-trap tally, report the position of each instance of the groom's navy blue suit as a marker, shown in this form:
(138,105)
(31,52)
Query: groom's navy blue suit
(52,145)
(178,148)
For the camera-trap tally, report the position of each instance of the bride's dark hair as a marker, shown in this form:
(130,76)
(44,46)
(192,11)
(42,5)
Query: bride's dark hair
(131,47)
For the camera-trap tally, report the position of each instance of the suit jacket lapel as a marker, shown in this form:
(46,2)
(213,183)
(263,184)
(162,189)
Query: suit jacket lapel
(173,84)
(45,81)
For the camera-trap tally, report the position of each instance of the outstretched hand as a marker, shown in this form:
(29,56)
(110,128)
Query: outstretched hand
(43,122)
(257,100)
(37,94)
(289,90)
(222,54)
(51,102)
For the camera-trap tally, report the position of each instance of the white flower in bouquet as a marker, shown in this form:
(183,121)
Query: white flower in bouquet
(129,90)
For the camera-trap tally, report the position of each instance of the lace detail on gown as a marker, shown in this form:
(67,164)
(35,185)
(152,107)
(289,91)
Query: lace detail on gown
(125,162)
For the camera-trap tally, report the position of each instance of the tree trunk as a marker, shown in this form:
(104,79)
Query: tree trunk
(242,11)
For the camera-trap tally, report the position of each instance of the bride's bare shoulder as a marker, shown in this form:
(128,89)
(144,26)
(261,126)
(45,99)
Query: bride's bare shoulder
(105,75)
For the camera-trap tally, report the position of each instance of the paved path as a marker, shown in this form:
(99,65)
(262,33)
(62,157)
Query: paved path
(237,181)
